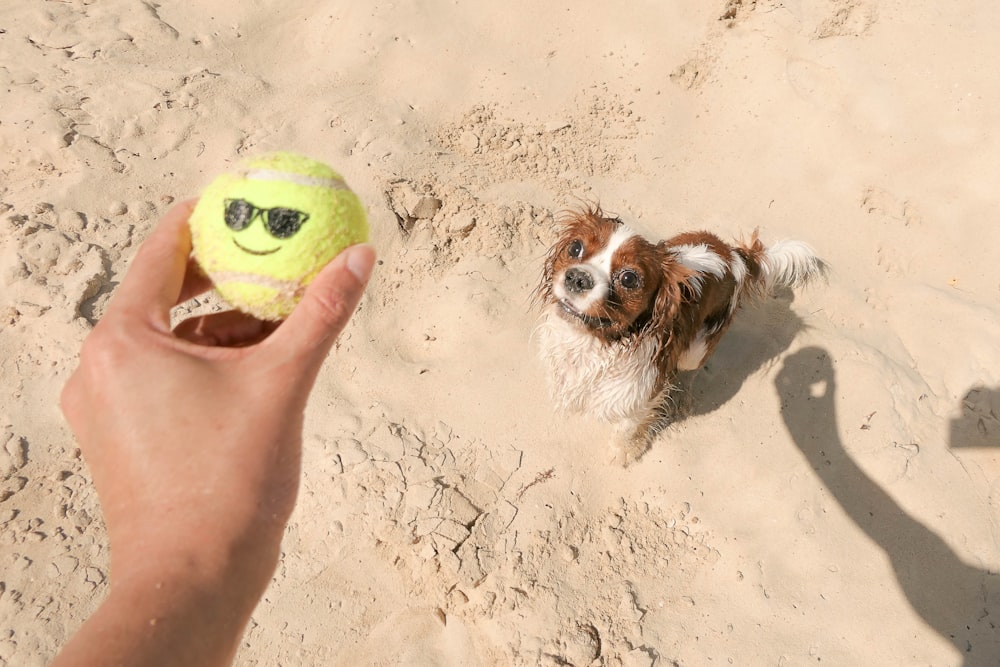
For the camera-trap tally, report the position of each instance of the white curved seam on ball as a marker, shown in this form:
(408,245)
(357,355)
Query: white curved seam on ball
(297,179)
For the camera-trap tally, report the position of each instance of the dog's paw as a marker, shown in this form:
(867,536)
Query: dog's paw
(683,407)
(627,452)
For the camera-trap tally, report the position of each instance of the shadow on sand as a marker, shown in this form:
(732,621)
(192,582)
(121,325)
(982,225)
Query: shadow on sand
(959,601)
(760,333)
(979,423)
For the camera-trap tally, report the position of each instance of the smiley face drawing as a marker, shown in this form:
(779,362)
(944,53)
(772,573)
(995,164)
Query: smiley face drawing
(263,232)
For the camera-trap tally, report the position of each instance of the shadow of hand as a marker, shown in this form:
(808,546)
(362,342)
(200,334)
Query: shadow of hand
(961,602)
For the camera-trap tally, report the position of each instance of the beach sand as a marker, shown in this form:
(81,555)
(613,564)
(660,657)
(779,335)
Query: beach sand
(834,496)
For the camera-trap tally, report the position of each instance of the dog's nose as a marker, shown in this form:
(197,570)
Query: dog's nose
(578,281)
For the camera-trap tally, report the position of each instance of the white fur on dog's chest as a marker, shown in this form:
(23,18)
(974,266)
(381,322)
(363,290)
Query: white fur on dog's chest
(608,381)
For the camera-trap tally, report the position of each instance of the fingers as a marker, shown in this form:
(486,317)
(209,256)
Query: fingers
(326,307)
(154,282)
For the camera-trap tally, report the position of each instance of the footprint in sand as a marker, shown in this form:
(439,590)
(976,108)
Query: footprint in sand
(819,85)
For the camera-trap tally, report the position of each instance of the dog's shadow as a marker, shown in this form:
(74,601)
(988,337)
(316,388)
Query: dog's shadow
(759,334)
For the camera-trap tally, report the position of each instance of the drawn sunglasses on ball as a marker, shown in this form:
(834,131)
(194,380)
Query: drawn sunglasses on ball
(280,222)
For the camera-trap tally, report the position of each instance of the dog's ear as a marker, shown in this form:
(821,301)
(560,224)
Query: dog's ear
(674,291)
(542,293)
(567,228)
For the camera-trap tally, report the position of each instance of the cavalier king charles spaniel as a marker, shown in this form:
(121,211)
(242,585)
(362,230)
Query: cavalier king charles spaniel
(623,315)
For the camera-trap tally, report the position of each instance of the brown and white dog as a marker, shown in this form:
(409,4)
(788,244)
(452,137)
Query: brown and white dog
(623,315)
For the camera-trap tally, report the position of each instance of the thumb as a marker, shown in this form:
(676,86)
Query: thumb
(326,306)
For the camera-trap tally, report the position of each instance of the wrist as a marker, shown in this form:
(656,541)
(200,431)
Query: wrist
(184,611)
(190,546)
(237,573)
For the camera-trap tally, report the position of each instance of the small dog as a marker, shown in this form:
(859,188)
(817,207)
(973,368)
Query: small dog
(622,315)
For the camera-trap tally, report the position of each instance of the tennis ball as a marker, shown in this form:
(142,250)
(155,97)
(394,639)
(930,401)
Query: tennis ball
(263,232)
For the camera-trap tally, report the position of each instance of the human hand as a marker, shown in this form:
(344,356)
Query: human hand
(193,435)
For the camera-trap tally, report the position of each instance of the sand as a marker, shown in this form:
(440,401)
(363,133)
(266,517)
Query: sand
(834,496)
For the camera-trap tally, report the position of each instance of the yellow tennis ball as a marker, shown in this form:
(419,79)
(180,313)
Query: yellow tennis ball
(263,232)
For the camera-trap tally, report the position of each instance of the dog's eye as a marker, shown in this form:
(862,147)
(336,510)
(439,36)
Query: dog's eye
(576,249)
(628,279)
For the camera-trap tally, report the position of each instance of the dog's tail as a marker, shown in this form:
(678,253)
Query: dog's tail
(784,264)
(790,264)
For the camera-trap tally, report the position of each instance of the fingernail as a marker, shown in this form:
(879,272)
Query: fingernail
(360,260)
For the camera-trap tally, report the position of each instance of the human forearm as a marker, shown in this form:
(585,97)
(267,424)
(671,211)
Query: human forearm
(170,618)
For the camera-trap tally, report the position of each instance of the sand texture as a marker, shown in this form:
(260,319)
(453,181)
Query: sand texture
(833,498)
